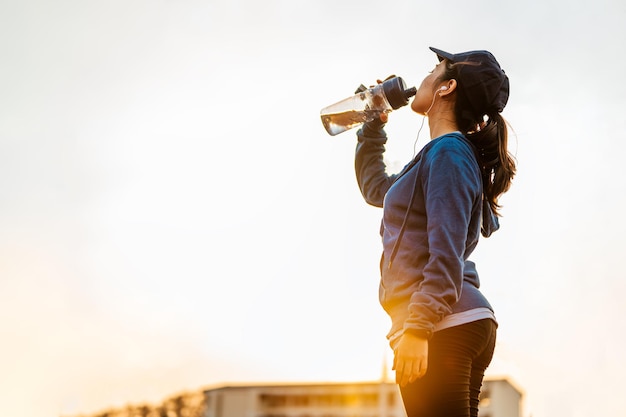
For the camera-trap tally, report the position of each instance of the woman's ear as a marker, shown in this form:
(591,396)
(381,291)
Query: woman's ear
(447,88)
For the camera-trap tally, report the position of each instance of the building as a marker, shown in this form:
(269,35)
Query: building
(362,399)
(500,398)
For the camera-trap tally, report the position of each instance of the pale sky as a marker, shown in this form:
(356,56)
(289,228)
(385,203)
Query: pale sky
(173,215)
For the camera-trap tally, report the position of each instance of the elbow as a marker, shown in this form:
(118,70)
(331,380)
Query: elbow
(372,199)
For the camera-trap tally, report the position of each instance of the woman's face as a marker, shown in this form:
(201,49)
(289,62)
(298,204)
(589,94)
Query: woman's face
(426,93)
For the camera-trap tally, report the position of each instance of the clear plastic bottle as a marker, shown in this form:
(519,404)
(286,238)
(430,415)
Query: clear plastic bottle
(366,105)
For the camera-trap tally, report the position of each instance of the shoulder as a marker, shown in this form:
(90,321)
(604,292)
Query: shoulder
(451,158)
(452,141)
(450,147)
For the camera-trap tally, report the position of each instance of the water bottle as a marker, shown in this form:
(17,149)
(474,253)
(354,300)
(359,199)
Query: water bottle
(366,105)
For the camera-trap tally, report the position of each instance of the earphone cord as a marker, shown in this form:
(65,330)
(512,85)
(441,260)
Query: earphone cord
(422,125)
(418,136)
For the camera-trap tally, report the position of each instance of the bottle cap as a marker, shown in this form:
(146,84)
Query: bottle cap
(396,92)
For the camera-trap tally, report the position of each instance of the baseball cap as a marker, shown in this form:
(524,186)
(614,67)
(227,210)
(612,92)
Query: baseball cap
(485,85)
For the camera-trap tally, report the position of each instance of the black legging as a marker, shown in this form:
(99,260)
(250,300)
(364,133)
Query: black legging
(457,359)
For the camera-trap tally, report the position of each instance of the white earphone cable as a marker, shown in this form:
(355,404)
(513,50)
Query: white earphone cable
(424,118)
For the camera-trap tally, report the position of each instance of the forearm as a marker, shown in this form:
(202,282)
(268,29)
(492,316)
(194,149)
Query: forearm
(369,165)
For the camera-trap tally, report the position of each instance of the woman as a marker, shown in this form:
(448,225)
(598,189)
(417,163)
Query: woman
(443,329)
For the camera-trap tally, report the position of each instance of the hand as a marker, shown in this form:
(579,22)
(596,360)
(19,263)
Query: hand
(410,359)
(384,117)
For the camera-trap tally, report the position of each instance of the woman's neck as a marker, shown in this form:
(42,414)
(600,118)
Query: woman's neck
(441,126)
(442,122)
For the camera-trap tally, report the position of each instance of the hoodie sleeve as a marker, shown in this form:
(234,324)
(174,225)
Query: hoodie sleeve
(369,166)
(451,184)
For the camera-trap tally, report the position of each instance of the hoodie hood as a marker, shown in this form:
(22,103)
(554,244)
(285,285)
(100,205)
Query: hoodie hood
(490,221)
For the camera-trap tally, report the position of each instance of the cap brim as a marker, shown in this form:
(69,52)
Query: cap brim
(442,54)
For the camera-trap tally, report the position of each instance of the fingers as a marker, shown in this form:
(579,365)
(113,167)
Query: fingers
(382,81)
(404,374)
(399,367)
(388,78)
(420,370)
(409,371)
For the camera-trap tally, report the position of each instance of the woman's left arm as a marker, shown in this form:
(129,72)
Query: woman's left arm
(452,190)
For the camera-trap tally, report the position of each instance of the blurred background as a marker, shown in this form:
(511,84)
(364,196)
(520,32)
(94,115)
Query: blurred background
(173,215)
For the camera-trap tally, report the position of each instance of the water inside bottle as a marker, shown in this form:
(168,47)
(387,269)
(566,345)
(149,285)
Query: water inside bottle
(336,123)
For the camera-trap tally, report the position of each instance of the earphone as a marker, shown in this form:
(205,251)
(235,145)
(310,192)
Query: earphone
(443,88)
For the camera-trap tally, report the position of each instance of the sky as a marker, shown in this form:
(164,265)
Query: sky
(173,215)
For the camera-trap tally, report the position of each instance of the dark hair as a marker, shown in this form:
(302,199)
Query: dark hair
(490,137)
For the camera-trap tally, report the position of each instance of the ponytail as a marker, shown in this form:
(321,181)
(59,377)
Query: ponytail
(496,163)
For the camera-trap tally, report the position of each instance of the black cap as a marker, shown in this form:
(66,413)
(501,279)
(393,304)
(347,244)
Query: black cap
(485,85)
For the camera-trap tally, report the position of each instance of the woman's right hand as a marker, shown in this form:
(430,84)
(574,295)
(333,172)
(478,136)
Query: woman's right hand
(384,117)
(410,358)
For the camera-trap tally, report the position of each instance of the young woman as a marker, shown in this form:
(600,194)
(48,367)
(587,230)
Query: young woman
(443,329)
